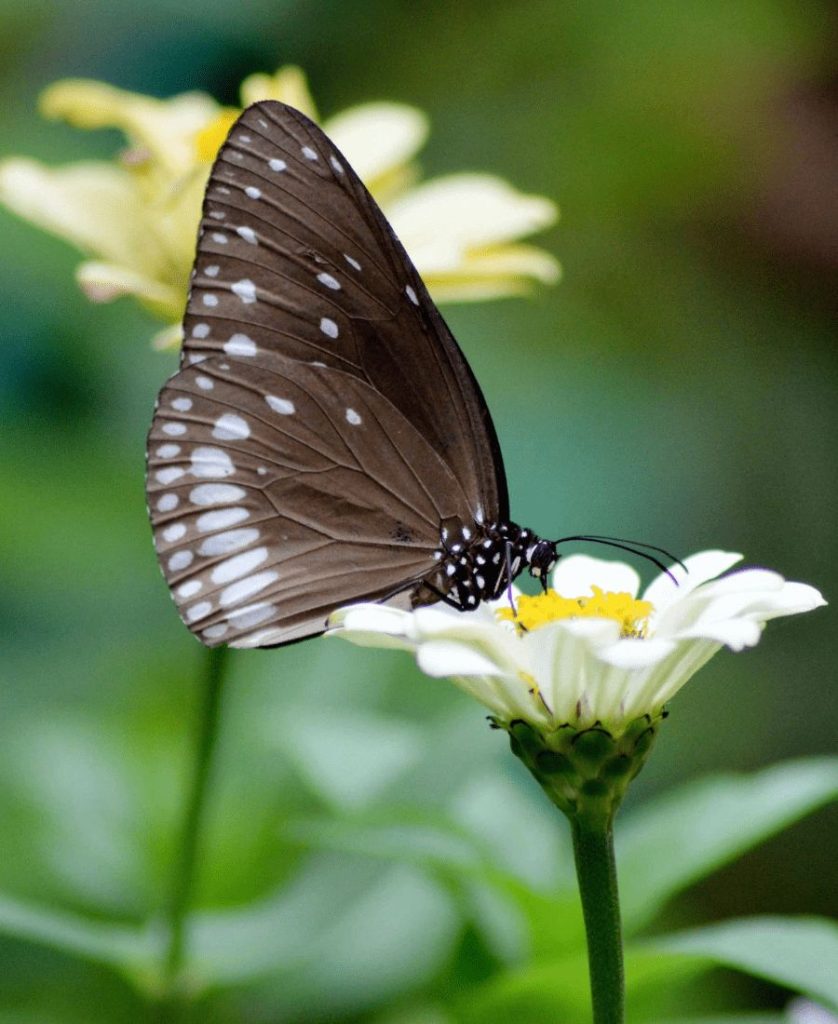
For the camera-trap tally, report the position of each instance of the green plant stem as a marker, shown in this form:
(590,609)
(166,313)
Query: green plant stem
(596,869)
(183,879)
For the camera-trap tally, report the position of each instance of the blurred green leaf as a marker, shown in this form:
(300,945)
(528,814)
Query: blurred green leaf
(323,933)
(671,842)
(134,952)
(799,953)
(347,757)
(557,989)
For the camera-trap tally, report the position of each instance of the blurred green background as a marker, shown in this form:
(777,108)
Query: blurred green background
(679,386)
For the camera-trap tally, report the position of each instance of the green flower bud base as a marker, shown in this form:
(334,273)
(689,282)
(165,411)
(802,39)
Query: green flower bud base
(585,772)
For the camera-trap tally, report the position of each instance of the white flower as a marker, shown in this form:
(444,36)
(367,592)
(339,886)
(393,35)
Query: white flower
(801,1011)
(136,217)
(608,658)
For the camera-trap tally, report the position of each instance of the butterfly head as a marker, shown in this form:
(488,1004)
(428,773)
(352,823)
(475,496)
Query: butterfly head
(542,557)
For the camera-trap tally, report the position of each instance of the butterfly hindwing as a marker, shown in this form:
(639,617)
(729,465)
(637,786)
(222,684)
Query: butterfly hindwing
(279,491)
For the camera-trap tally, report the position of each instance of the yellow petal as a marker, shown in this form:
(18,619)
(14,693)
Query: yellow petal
(94,205)
(104,282)
(163,129)
(288,85)
(378,139)
(210,138)
(459,212)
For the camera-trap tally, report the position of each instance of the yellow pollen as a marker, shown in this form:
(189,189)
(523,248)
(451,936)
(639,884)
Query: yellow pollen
(208,140)
(532,612)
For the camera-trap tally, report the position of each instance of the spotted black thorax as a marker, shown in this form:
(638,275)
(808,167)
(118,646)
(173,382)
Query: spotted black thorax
(477,563)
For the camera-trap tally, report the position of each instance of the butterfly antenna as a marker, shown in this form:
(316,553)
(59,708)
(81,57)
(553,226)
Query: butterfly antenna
(633,547)
(638,544)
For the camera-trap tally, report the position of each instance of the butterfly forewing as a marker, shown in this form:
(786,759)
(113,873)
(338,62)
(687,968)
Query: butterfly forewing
(279,491)
(295,257)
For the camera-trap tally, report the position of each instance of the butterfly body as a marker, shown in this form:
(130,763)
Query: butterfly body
(324,441)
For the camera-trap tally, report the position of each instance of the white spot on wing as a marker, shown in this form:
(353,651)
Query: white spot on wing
(232,540)
(252,192)
(239,565)
(411,294)
(212,271)
(248,234)
(230,427)
(329,281)
(240,345)
(353,417)
(215,632)
(329,327)
(167,451)
(277,165)
(205,383)
(220,518)
(352,262)
(242,589)
(336,164)
(182,404)
(201,331)
(212,462)
(284,406)
(189,589)
(251,615)
(180,560)
(174,532)
(246,290)
(217,236)
(209,299)
(167,502)
(309,153)
(169,474)
(216,494)
(198,611)
(174,429)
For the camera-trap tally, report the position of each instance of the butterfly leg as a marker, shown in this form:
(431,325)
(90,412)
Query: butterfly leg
(507,558)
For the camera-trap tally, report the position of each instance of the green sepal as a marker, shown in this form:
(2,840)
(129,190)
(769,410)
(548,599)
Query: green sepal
(585,772)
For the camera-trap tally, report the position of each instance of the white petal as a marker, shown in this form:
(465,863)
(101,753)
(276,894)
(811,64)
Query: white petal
(371,618)
(737,634)
(450,658)
(574,575)
(634,654)
(705,565)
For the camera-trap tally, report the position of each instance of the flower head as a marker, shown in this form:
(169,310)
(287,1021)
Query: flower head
(136,217)
(588,652)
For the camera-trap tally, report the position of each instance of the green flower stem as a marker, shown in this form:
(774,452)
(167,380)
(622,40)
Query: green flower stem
(183,881)
(596,870)
(585,773)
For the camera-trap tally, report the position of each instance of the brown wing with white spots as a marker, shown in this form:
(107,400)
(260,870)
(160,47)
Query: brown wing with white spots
(279,491)
(295,257)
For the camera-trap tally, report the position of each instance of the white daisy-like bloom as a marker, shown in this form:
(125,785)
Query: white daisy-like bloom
(589,651)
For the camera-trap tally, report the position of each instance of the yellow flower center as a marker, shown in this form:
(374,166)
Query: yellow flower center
(208,140)
(532,612)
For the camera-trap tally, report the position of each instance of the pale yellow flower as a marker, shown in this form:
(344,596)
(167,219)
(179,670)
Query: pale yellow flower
(136,217)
